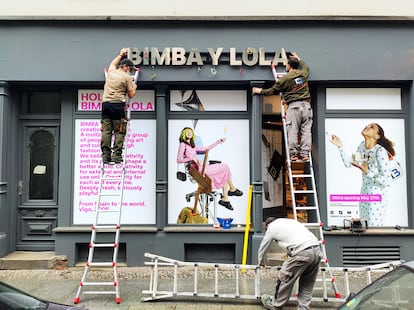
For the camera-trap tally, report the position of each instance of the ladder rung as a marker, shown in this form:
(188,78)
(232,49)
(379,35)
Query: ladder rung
(111,179)
(98,283)
(307,208)
(103,245)
(98,227)
(301,175)
(106,211)
(109,194)
(102,264)
(304,191)
(312,224)
(99,292)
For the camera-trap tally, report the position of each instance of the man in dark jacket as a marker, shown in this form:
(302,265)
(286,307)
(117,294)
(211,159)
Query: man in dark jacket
(299,114)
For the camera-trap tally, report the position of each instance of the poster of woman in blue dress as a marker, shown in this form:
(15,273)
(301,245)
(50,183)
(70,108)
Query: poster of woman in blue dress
(380,197)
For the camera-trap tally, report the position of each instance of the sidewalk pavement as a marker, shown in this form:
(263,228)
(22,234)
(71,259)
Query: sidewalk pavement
(61,286)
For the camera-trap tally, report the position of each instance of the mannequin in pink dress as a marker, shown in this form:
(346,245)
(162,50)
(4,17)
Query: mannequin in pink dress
(219,173)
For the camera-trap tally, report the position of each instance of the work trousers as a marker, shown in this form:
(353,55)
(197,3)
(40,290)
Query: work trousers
(113,123)
(303,265)
(299,119)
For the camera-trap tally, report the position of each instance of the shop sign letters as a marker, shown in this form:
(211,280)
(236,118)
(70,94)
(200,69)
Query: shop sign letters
(179,56)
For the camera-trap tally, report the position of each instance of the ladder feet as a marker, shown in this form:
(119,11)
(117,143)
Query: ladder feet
(118,300)
(76,300)
(338,295)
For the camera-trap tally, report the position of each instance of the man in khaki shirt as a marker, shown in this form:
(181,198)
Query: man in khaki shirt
(118,85)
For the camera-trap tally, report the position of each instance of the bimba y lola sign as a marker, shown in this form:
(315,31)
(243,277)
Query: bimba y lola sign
(179,56)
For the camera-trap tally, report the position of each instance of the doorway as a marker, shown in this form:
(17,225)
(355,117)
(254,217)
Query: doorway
(38,170)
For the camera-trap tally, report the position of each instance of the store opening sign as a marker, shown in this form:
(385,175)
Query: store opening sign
(91,100)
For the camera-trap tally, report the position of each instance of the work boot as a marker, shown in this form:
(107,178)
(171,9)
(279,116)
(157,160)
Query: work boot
(267,302)
(106,160)
(117,159)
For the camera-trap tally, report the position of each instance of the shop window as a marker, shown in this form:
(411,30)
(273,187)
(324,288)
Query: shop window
(361,154)
(39,102)
(363,99)
(226,136)
(208,100)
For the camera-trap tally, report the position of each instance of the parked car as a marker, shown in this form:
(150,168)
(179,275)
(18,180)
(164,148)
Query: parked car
(394,290)
(13,299)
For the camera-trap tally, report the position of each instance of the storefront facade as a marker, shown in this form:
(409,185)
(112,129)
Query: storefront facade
(51,81)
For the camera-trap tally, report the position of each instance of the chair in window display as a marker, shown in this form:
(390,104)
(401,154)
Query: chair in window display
(204,197)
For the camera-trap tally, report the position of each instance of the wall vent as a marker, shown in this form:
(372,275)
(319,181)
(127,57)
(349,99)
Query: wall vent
(365,256)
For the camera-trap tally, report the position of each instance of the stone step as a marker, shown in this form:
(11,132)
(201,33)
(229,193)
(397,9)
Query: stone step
(21,260)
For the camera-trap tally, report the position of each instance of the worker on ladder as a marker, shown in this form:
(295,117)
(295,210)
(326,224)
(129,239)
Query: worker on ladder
(299,114)
(118,83)
(304,256)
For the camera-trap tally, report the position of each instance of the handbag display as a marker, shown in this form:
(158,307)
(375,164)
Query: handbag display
(396,171)
(181,176)
(275,165)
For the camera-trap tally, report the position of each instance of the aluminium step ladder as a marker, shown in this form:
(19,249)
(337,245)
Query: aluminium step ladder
(111,186)
(309,200)
(171,278)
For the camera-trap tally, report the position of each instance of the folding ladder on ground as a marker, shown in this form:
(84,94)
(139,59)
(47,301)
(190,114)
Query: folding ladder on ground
(308,198)
(171,278)
(107,222)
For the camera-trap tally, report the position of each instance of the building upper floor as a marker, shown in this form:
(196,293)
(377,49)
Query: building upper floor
(211,10)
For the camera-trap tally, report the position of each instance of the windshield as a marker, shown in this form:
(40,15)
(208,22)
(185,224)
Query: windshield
(13,299)
(395,290)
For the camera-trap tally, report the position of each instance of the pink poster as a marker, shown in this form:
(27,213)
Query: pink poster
(138,205)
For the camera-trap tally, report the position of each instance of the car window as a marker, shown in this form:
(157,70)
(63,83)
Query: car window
(395,290)
(12,299)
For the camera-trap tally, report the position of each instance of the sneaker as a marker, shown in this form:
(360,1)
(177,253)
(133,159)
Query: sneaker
(226,204)
(305,157)
(236,192)
(294,158)
(267,302)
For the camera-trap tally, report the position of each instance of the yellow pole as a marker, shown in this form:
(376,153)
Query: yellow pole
(246,231)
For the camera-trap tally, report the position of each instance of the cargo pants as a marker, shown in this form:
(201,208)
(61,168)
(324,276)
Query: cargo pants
(303,265)
(299,119)
(113,123)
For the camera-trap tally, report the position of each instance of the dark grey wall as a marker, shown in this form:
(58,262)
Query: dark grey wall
(78,51)
(75,53)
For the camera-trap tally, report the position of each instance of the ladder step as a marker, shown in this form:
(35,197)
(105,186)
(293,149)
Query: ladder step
(98,283)
(312,224)
(111,179)
(99,292)
(103,245)
(102,264)
(304,191)
(307,208)
(98,227)
(109,194)
(302,176)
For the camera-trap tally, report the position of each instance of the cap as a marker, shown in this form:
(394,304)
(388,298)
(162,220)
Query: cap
(127,62)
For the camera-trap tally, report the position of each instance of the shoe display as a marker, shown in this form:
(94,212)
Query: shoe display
(226,204)
(237,192)
(267,302)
